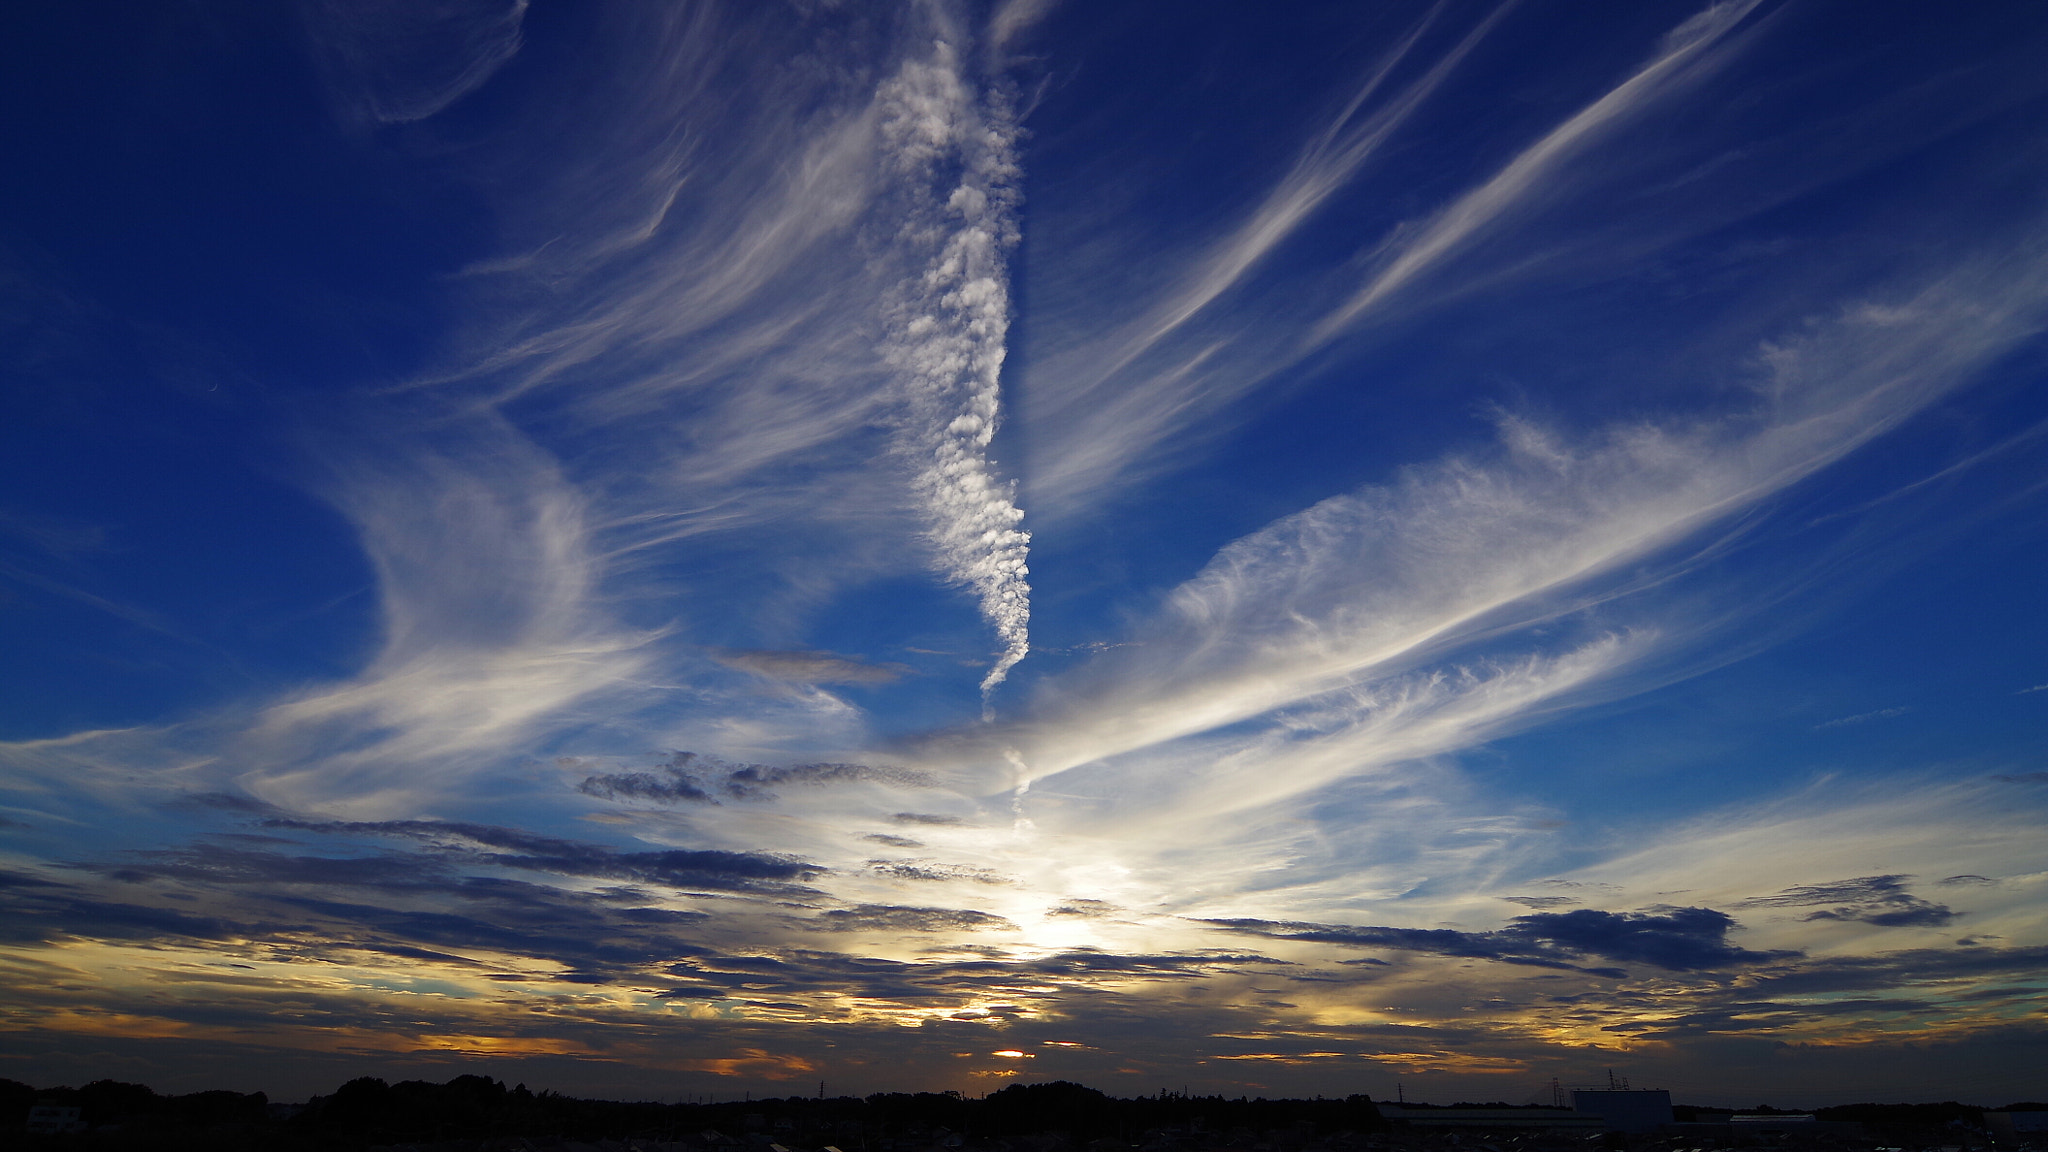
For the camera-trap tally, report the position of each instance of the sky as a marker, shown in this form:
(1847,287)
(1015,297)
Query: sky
(690,549)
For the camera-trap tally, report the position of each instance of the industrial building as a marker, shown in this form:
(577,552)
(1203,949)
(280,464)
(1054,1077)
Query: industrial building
(1624,1109)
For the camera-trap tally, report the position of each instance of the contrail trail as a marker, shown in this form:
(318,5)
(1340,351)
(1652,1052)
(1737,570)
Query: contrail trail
(955,152)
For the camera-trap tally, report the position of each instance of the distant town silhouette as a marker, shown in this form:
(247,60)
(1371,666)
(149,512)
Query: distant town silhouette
(473,1113)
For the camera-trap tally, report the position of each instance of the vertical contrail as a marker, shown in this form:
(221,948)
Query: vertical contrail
(955,154)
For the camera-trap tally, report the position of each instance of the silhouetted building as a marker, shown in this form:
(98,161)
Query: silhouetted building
(1625,1110)
(2015,1125)
(1488,1117)
(54,1118)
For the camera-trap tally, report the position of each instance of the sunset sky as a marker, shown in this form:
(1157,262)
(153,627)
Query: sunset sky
(662,549)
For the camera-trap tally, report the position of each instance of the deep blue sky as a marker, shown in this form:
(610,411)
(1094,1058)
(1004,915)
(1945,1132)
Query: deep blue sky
(1277,547)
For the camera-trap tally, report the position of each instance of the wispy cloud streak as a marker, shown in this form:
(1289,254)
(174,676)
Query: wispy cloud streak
(1125,397)
(1376,583)
(1330,158)
(1147,406)
(1682,57)
(407,62)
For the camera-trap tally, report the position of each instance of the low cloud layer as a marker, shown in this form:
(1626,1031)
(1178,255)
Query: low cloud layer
(1674,939)
(686,778)
(1880,900)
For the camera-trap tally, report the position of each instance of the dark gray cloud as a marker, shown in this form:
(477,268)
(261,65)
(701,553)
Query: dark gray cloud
(221,864)
(2017,993)
(752,781)
(1881,900)
(1085,909)
(405,905)
(1901,968)
(893,841)
(2022,777)
(926,818)
(1441,941)
(1914,990)
(1675,939)
(932,871)
(1540,901)
(790,972)
(530,920)
(222,802)
(538,927)
(900,918)
(1093,961)
(672,787)
(688,778)
(1047,979)
(716,870)
(1968,878)
(1763,1016)
(34,911)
